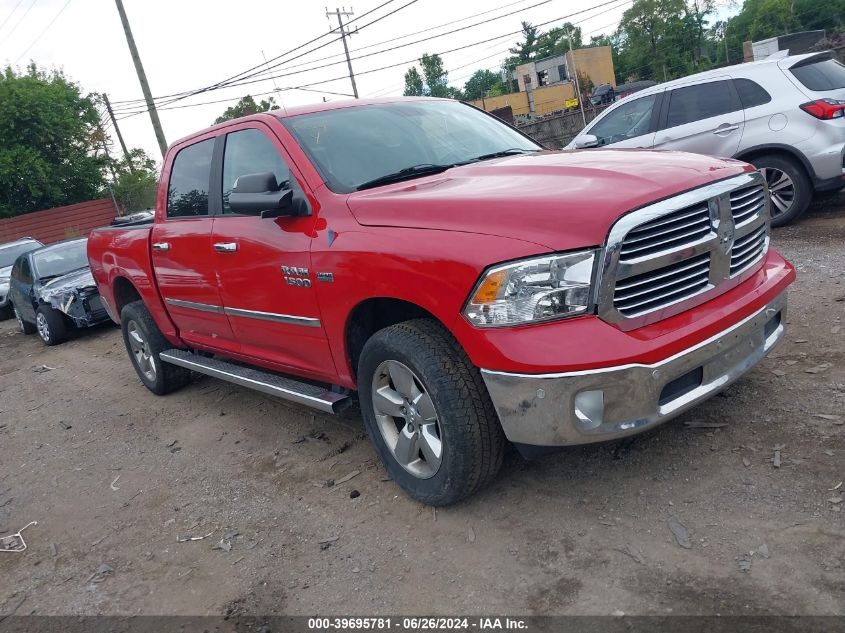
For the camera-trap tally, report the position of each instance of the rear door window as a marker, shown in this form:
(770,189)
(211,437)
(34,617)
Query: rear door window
(821,75)
(699,102)
(751,93)
(187,192)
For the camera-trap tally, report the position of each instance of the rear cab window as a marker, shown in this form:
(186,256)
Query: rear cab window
(190,176)
(820,74)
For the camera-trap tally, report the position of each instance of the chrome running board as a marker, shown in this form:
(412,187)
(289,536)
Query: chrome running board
(264,381)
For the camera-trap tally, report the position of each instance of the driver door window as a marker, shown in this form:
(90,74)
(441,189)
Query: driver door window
(629,125)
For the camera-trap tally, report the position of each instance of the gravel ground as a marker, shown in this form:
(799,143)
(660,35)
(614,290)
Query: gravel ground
(116,476)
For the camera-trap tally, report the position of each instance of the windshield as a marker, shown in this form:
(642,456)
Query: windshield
(357,145)
(60,259)
(9,254)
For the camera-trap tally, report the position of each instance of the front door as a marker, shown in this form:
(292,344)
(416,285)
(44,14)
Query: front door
(630,124)
(183,256)
(705,118)
(264,265)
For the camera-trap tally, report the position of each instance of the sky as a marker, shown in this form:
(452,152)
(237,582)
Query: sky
(189,44)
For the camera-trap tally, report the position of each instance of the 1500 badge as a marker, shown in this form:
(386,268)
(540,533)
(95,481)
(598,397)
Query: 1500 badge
(296,276)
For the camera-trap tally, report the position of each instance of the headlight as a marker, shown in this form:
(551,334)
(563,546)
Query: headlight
(532,290)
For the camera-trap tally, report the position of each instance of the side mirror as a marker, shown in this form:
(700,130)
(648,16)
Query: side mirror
(585,141)
(259,194)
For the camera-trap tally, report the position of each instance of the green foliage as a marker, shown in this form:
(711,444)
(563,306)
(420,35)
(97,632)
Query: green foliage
(523,52)
(433,82)
(48,138)
(555,41)
(481,84)
(246,106)
(136,179)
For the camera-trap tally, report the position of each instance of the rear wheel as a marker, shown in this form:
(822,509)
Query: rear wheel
(6,313)
(144,342)
(428,413)
(51,326)
(789,187)
(25,326)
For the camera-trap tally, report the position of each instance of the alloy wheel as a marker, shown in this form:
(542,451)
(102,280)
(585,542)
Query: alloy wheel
(43,327)
(141,353)
(781,190)
(407,419)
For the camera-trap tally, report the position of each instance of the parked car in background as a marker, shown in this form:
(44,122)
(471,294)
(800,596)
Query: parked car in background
(468,285)
(783,115)
(9,252)
(52,291)
(603,94)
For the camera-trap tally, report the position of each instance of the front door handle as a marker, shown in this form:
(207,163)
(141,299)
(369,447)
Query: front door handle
(226,247)
(161,246)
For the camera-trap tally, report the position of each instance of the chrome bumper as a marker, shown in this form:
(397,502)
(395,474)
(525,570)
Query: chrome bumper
(604,404)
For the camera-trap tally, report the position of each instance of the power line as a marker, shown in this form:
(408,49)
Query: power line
(403,63)
(46,28)
(10,14)
(189,93)
(23,17)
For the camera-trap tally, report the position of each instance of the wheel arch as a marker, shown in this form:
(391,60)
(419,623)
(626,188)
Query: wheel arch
(123,292)
(778,149)
(374,314)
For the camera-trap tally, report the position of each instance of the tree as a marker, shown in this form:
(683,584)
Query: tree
(47,149)
(523,52)
(136,180)
(434,81)
(555,41)
(481,84)
(247,106)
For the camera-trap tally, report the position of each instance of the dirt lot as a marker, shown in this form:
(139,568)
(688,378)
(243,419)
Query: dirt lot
(114,475)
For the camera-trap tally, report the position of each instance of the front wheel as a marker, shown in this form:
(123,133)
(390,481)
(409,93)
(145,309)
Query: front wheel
(428,413)
(144,342)
(789,187)
(51,326)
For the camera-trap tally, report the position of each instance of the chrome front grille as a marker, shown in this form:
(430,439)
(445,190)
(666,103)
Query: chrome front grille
(748,249)
(678,228)
(679,252)
(746,204)
(647,291)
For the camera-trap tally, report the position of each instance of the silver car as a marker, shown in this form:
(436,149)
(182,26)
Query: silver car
(9,252)
(785,115)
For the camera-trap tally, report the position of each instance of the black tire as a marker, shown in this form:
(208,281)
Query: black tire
(6,313)
(802,188)
(25,326)
(471,436)
(136,319)
(51,326)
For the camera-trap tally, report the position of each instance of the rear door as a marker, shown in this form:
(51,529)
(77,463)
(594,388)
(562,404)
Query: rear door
(630,124)
(20,288)
(264,265)
(704,118)
(183,258)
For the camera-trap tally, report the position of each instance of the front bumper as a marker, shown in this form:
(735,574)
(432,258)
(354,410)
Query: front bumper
(603,404)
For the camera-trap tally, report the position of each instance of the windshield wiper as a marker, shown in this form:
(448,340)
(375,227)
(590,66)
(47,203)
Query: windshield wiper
(413,171)
(505,152)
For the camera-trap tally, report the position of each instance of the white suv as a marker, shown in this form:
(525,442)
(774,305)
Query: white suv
(784,115)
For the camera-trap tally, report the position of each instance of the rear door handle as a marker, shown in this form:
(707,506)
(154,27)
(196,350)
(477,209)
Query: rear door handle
(226,247)
(161,246)
(725,128)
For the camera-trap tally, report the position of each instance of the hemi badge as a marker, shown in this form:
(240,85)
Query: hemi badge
(325,277)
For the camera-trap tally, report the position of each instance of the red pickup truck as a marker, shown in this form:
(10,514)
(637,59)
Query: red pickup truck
(470,286)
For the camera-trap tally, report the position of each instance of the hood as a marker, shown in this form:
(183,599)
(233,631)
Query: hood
(5,272)
(560,200)
(72,281)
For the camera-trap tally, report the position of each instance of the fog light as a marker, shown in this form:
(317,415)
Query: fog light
(589,408)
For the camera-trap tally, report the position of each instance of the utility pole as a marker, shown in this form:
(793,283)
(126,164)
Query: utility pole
(117,131)
(142,78)
(575,72)
(343,35)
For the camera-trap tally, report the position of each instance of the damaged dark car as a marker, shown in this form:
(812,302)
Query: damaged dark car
(53,293)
